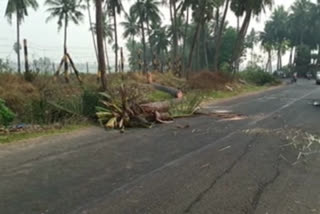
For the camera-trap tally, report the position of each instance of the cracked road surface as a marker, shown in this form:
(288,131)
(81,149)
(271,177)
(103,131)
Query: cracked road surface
(203,164)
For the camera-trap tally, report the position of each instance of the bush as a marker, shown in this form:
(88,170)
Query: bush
(90,99)
(257,76)
(6,115)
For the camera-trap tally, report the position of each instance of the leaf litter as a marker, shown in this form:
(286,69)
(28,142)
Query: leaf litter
(303,142)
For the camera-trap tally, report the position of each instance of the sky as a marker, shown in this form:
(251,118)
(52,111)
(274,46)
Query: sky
(44,39)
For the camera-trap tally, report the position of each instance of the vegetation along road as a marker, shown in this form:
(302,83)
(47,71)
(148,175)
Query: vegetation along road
(261,158)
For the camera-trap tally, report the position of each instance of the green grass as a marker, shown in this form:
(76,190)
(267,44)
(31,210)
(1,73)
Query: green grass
(156,96)
(228,94)
(13,137)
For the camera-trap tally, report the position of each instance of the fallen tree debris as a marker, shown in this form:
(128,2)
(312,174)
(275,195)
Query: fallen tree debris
(176,93)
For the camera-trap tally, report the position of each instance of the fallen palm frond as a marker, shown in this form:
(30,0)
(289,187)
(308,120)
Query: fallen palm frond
(187,107)
(120,109)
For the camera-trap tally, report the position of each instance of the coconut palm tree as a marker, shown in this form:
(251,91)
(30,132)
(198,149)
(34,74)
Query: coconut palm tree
(131,29)
(19,8)
(279,23)
(299,18)
(138,11)
(65,11)
(248,9)
(160,41)
(267,43)
(146,12)
(220,27)
(99,29)
(108,35)
(152,16)
(202,13)
(91,25)
(115,7)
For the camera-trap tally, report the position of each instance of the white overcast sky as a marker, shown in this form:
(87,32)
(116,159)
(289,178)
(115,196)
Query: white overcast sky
(45,40)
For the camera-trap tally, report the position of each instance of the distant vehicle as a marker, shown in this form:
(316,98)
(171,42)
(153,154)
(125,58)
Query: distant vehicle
(318,78)
(309,75)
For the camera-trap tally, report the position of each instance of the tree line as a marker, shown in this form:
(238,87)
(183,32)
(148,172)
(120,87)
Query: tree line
(296,30)
(198,36)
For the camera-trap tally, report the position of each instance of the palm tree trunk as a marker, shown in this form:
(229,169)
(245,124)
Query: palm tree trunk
(238,30)
(204,42)
(107,57)
(115,39)
(268,62)
(185,40)
(237,50)
(144,48)
(238,24)
(175,35)
(195,38)
(134,49)
(65,48)
(279,59)
(149,36)
(219,38)
(91,29)
(291,56)
(198,64)
(99,28)
(18,43)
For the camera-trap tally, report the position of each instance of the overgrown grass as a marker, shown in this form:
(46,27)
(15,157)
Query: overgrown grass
(47,100)
(13,137)
(228,94)
(155,96)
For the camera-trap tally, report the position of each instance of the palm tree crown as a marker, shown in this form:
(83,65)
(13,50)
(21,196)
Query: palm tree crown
(65,10)
(19,7)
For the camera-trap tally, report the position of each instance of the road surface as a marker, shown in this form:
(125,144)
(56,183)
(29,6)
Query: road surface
(205,164)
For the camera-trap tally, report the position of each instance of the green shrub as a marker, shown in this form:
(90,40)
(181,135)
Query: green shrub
(6,115)
(257,76)
(90,99)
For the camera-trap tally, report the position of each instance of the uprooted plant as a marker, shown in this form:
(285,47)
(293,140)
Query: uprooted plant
(187,107)
(120,109)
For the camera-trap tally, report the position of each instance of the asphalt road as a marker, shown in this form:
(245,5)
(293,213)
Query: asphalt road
(206,164)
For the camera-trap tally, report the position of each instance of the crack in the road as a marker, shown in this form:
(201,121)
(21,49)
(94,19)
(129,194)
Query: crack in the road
(219,177)
(262,188)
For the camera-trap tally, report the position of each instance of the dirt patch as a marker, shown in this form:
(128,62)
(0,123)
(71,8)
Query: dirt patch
(167,79)
(209,80)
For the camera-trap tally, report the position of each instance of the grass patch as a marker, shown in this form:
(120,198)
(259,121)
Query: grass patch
(228,94)
(156,96)
(13,137)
